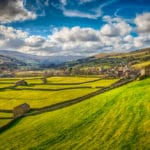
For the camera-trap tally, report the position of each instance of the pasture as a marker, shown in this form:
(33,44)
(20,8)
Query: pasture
(58,89)
(117,119)
(142,64)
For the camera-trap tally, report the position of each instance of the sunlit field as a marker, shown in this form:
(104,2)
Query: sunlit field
(141,65)
(38,95)
(117,119)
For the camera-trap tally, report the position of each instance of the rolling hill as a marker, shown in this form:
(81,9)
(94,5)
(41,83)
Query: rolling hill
(112,59)
(9,63)
(34,61)
(117,119)
(21,60)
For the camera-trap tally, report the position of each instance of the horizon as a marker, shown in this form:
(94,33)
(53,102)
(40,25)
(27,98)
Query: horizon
(74,28)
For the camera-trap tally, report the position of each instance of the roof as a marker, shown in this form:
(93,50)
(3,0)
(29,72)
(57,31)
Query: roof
(22,106)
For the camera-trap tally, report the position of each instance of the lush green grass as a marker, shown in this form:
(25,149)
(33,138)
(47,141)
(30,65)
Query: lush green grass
(39,95)
(14,80)
(38,98)
(99,83)
(3,114)
(118,119)
(70,79)
(4,122)
(5,85)
(141,65)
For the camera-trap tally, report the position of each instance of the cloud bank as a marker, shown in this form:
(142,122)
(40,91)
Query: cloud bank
(13,10)
(114,36)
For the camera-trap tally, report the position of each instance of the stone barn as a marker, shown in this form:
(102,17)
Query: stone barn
(20,110)
(145,71)
(21,83)
(44,80)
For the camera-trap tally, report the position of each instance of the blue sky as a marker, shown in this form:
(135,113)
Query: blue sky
(81,27)
(52,14)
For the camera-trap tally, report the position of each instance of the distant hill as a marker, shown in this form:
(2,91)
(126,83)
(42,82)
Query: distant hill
(26,58)
(10,63)
(33,61)
(13,59)
(112,59)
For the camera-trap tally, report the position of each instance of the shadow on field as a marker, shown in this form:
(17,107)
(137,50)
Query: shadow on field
(10,125)
(59,89)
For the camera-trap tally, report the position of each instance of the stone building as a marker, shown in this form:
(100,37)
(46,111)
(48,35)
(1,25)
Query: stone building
(145,71)
(21,83)
(44,80)
(20,110)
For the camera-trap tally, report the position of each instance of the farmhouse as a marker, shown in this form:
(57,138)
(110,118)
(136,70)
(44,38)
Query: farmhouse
(145,71)
(20,110)
(21,82)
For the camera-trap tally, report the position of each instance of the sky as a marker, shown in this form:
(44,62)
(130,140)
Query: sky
(74,27)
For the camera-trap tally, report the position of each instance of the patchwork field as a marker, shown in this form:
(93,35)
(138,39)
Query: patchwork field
(117,119)
(39,95)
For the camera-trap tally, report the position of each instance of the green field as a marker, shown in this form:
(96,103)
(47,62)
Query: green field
(39,95)
(4,122)
(142,64)
(115,120)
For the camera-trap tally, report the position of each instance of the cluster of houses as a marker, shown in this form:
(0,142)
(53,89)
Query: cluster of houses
(120,71)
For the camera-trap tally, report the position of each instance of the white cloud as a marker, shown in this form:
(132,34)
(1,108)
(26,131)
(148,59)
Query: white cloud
(76,13)
(109,30)
(46,2)
(115,27)
(143,23)
(75,34)
(113,36)
(34,41)
(14,11)
(85,1)
(107,3)
(63,2)
(142,41)
(93,13)
(9,32)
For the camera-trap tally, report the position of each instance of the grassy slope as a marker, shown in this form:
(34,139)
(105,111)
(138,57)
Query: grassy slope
(143,64)
(118,119)
(4,121)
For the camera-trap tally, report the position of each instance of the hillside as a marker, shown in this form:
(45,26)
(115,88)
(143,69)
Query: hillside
(34,61)
(19,60)
(9,63)
(118,119)
(113,59)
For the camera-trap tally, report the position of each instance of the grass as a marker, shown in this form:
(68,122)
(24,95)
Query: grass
(70,79)
(5,85)
(3,114)
(38,95)
(4,122)
(38,98)
(52,86)
(141,65)
(118,119)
